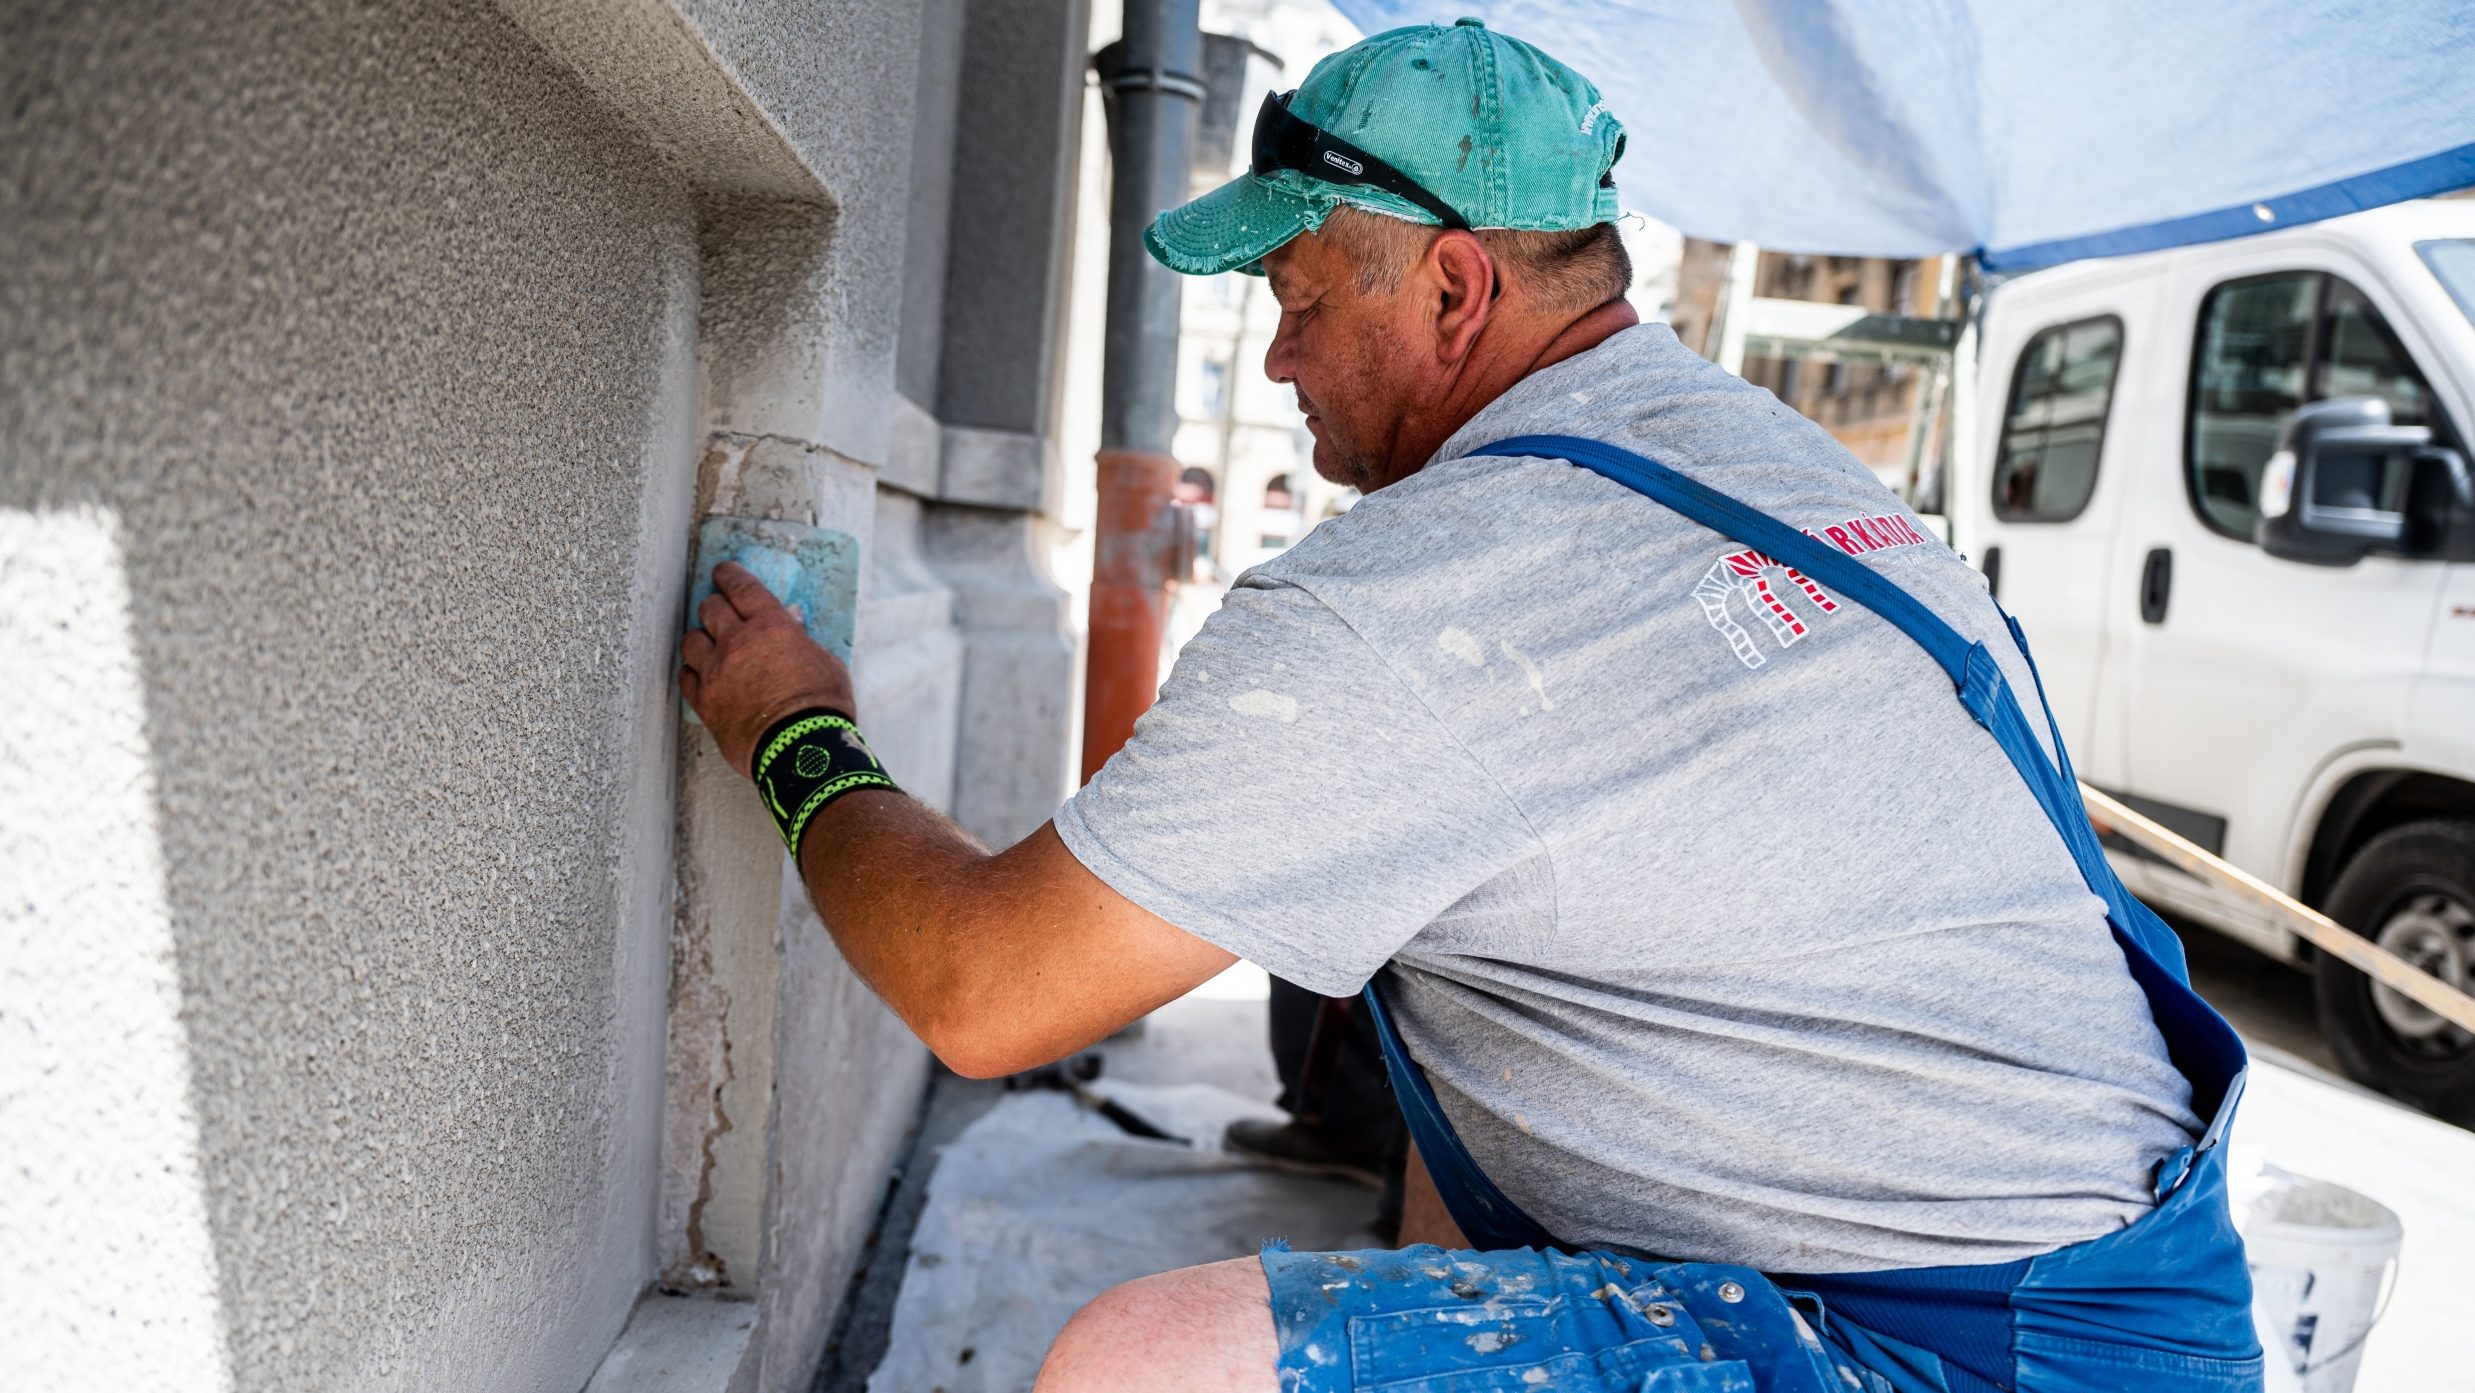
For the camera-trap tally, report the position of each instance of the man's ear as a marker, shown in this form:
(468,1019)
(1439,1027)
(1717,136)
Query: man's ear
(1465,285)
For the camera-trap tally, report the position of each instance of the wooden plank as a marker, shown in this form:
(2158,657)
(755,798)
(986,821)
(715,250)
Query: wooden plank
(2314,927)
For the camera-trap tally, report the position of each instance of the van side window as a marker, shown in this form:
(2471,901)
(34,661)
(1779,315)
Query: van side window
(2365,361)
(2268,344)
(2054,425)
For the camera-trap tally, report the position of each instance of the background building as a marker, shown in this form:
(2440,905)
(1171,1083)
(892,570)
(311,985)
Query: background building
(1868,407)
(1241,435)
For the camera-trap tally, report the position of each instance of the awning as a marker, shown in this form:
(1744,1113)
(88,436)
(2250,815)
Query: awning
(2027,131)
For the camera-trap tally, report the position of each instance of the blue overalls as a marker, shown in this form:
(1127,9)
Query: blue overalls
(2163,1304)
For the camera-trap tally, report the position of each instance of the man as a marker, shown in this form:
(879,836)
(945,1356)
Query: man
(1332,1085)
(1719,930)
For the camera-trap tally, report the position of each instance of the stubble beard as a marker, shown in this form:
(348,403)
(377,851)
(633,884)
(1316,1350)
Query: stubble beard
(1336,464)
(1338,458)
(1334,460)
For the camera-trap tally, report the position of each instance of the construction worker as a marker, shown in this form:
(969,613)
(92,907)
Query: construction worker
(1341,1117)
(1754,991)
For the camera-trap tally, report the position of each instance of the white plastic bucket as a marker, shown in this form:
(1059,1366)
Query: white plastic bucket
(2324,1262)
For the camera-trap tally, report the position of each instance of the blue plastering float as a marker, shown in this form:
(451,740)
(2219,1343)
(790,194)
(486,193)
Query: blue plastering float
(814,570)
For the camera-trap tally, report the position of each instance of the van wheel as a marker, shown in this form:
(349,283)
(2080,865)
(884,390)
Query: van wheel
(2412,891)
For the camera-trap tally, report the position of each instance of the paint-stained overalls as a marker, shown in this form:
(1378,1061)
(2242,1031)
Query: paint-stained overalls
(2160,1306)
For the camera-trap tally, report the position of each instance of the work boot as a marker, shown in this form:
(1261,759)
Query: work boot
(1295,1146)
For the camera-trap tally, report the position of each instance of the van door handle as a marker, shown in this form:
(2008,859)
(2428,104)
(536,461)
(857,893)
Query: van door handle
(2156,585)
(1992,570)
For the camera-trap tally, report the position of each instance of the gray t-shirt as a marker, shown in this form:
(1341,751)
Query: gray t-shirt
(1720,928)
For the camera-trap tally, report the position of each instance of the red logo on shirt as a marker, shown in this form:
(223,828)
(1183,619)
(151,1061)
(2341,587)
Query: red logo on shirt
(1746,575)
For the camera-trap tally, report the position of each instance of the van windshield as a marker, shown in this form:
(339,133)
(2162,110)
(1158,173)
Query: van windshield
(2454,262)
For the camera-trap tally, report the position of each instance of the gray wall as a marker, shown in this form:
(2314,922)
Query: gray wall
(391,985)
(370,339)
(1006,258)
(998,151)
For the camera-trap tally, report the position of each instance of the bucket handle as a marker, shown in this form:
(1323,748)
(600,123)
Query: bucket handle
(2388,1291)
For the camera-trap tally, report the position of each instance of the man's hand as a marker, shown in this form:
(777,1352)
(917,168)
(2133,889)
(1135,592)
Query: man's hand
(1000,963)
(752,663)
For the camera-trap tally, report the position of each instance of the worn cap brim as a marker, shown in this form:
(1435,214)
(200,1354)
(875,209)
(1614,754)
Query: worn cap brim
(1232,228)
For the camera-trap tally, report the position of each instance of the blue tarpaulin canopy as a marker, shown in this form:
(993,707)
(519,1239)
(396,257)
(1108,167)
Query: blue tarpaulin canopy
(2027,131)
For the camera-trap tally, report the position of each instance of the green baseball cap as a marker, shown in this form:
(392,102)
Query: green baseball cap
(1451,125)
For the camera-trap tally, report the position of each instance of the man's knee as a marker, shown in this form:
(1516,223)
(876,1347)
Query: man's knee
(1203,1328)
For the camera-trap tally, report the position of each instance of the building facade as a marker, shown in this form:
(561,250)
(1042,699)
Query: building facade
(1868,407)
(1248,457)
(395,990)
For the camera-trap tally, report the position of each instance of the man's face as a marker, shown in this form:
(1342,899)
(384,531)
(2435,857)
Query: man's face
(1356,361)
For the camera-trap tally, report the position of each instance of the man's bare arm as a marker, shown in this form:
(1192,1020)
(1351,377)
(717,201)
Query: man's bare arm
(998,962)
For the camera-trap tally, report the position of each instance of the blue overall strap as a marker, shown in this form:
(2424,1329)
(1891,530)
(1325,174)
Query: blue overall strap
(1488,1220)
(2198,1040)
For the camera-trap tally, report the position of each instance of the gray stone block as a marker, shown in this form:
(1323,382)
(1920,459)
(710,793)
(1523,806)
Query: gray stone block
(682,1344)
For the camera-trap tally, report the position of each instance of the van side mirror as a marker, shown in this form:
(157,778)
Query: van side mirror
(2439,492)
(2338,485)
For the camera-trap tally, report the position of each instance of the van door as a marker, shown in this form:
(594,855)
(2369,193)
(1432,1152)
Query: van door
(2244,673)
(2046,511)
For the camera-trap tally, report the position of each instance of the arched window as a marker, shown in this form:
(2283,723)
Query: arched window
(1281,520)
(1197,492)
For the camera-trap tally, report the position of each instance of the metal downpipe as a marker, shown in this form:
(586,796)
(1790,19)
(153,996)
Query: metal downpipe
(1153,92)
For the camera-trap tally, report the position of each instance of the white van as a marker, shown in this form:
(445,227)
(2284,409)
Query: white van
(2224,488)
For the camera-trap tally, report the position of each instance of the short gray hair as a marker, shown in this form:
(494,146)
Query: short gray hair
(1567,271)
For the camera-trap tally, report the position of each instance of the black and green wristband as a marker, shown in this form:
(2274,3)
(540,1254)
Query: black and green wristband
(807,760)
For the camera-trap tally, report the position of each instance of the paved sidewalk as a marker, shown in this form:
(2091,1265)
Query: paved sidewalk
(1041,1203)
(2313,1123)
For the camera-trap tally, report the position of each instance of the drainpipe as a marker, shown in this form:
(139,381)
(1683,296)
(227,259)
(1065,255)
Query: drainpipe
(1153,95)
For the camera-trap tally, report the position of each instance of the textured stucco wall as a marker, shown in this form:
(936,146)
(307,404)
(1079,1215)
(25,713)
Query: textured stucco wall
(98,1140)
(835,82)
(365,339)
(790,1084)
(363,364)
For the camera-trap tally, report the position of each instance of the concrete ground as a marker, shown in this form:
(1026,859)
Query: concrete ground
(2301,1116)
(1032,1202)
(1021,1206)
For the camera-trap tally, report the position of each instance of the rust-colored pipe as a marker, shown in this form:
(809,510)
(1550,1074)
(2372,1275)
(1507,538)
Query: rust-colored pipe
(1151,78)
(1134,552)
